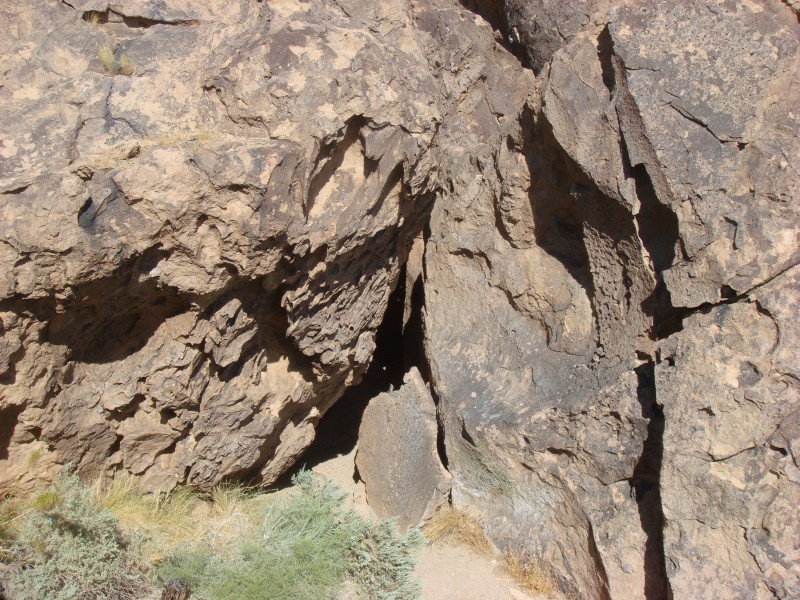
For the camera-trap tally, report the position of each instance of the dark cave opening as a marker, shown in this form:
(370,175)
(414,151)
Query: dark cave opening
(398,347)
(9,418)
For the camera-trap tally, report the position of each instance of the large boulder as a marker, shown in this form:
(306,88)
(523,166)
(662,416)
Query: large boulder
(398,458)
(643,184)
(200,234)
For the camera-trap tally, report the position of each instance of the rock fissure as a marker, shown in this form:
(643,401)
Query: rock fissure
(529,241)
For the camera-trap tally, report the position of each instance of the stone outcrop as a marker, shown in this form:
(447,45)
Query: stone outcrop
(589,210)
(640,189)
(194,258)
(397,457)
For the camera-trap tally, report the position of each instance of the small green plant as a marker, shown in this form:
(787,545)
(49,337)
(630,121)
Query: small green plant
(303,549)
(123,66)
(67,548)
(382,562)
(34,457)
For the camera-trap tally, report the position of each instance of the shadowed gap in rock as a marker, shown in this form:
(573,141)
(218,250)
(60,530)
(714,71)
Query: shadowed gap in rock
(9,417)
(397,349)
(113,317)
(495,14)
(646,486)
(558,222)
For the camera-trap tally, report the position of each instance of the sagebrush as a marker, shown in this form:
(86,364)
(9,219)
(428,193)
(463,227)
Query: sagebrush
(68,548)
(304,549)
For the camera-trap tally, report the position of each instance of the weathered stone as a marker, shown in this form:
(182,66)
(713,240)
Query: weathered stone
(729,480)
(194,259)
(546,379)
(397,455)
(542,27)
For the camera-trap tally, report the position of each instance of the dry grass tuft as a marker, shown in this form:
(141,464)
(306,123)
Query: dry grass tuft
(10,514)
(126,66)
(106,55)
(532,574)
(165,518)
(93,17)
(451,525)
(229,498)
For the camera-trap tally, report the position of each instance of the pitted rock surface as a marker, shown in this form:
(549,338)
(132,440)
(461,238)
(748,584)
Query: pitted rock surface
(591,207)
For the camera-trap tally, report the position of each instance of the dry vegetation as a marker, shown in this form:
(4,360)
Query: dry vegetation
(123,66)
(111,540)
(532,574)
(457,527)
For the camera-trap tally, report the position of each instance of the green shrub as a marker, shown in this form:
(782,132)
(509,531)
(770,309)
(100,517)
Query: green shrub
(304,549)
(68,549)
(382,561)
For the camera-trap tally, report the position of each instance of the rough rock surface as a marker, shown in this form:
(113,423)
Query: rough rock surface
(597,230)
(641,185)
(397,456)
(194,258)
(730,479)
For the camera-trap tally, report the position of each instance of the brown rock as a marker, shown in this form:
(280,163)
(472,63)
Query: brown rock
(653,192)
(194,259)
(397,454)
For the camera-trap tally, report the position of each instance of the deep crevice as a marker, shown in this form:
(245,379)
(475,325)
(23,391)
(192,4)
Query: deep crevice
(646,487)
(494,13)
(97,17)
(657,224)
(9,418)
(395,353)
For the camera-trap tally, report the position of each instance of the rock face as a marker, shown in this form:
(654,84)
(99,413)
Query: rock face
(605,254)
(397,456)
(597,233)
(195,257)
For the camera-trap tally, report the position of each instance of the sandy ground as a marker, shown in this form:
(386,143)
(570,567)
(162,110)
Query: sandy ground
(447,572)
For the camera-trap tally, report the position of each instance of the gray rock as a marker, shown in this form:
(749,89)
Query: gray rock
(730,483)
(656,182)
(397,455)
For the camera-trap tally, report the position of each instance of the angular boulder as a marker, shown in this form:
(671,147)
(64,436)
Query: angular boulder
(397,455)
(641,185)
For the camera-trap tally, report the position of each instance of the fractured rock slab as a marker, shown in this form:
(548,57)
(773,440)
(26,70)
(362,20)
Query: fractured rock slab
(397,456)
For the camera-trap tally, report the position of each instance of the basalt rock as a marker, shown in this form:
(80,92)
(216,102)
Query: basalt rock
(604,254)
(592,208)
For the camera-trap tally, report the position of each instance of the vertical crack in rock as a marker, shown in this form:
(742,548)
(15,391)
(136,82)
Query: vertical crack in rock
(646,486)
(657,228)
(657,224)
(8,423)
(399,348)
